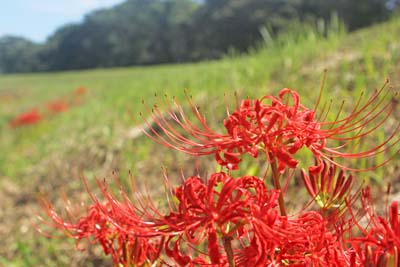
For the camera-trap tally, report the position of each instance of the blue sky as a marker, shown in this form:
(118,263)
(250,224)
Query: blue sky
(37,19)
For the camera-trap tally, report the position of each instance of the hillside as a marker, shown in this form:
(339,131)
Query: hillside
(97,133)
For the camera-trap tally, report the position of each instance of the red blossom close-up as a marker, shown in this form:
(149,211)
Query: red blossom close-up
(125,247)
(279,127)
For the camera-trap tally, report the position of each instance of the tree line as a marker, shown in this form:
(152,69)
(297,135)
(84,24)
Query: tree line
(142,32)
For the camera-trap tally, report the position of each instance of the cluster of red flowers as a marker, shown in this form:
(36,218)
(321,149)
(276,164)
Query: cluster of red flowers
(34,116)
(224,220)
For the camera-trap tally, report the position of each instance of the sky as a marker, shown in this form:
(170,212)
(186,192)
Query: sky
(38,19)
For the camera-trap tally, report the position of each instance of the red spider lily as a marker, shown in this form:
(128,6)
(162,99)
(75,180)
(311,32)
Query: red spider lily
(27,118)
(380,244)
(222,209)
(125,249)
(57,106)
(273,125)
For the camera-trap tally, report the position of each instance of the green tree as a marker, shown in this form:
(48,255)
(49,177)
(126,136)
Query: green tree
(135,32)
(18,55)
(221,25)
(354,13)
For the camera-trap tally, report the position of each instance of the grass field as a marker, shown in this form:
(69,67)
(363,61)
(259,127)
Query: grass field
(95,135)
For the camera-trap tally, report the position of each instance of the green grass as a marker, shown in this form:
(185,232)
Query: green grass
(92,136)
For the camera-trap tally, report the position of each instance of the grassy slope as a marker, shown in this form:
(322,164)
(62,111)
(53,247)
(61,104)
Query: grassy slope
(92,136)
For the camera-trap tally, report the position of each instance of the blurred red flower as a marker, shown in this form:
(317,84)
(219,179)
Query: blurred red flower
(32,116)
(57,106)
(80,91)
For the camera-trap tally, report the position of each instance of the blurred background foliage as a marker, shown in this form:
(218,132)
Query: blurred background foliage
(142,32)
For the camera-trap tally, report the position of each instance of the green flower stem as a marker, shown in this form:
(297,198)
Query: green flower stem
(228,249)
(275,176)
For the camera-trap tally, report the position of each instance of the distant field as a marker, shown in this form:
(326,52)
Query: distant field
(95,135)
